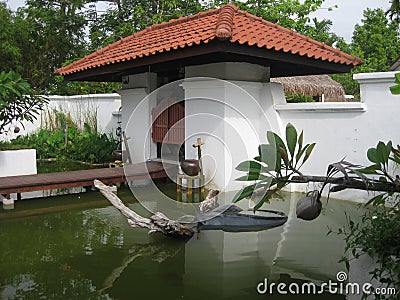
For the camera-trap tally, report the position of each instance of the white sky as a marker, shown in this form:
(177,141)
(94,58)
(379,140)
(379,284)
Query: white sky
(344,18)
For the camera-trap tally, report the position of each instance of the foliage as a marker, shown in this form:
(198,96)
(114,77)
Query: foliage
(18,101)
(396,88)
(42,36)
(378,232)
(129,16)
(10,51)
(67,142)
(377,235)
(298,98)
(54,32)
(350,85)
(292,14)
(321,31)
(377,42)
(276,163)
(69,88)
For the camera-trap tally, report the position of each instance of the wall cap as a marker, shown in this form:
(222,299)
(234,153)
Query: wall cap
(110,96)
(322,107)
(377,77)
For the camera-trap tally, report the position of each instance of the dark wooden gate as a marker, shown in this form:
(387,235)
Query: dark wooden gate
(168,124)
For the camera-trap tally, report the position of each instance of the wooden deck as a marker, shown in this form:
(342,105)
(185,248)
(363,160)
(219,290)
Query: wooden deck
(48,181)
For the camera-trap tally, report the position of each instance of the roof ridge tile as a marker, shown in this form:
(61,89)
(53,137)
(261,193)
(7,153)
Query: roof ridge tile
(223,30)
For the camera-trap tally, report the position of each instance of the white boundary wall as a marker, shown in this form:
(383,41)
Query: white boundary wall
(80,107)
(340,130)
(346,129)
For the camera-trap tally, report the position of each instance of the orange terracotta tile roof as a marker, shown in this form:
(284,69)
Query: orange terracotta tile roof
(225,23)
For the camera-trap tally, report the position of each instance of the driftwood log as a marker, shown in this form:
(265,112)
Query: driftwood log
(157,222)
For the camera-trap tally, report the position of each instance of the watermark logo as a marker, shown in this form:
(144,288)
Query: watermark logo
(332,287)
(341,276)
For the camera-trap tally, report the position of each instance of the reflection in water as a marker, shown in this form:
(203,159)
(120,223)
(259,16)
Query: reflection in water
(77,252)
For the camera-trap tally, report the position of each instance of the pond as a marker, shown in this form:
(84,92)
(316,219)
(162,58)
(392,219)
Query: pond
(51,166)
(80,247)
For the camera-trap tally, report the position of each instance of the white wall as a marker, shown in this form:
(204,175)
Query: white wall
(346,129)
(340,130)
(81,107)
(18,162)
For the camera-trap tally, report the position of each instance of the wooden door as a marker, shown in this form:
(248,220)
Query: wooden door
(168,124)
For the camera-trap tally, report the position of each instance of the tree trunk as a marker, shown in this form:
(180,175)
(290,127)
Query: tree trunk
(156,223)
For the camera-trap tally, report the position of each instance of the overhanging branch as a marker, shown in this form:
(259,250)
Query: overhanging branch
(350,183)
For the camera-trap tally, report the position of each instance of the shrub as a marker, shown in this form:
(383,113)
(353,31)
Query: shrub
(66,141)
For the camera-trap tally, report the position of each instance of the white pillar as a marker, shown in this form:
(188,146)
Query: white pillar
(227,115)
(136,115)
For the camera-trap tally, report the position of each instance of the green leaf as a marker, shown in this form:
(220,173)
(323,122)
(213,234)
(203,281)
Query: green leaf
(251,177)
(262,200)
(275,140)
(383,179)
(372,155)
(381,153)
(267,154)
(284,155)
(298,156)
(395,89)
(278,163)
(309,149)
(247,191)
(370,169)
(375,200)
(291,138)
(397,78)
(389,147)
(249,166)
(300,145)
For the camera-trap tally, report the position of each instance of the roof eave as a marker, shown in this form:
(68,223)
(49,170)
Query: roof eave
(188,56)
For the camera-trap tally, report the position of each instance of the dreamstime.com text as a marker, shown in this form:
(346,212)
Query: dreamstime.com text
(310,288)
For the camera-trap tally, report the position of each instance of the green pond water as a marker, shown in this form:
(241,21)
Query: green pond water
(80,247)
(46,166)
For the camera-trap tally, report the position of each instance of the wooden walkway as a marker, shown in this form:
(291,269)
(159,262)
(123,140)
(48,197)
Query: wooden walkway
(48,181)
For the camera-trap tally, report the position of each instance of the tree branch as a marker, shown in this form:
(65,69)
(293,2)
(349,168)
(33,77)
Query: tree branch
(351,183)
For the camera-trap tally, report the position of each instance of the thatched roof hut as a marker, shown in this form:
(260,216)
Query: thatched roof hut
(312,85)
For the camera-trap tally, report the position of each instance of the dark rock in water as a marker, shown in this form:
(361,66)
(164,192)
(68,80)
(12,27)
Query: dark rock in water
(309,208)
(228,209)
(241,223)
